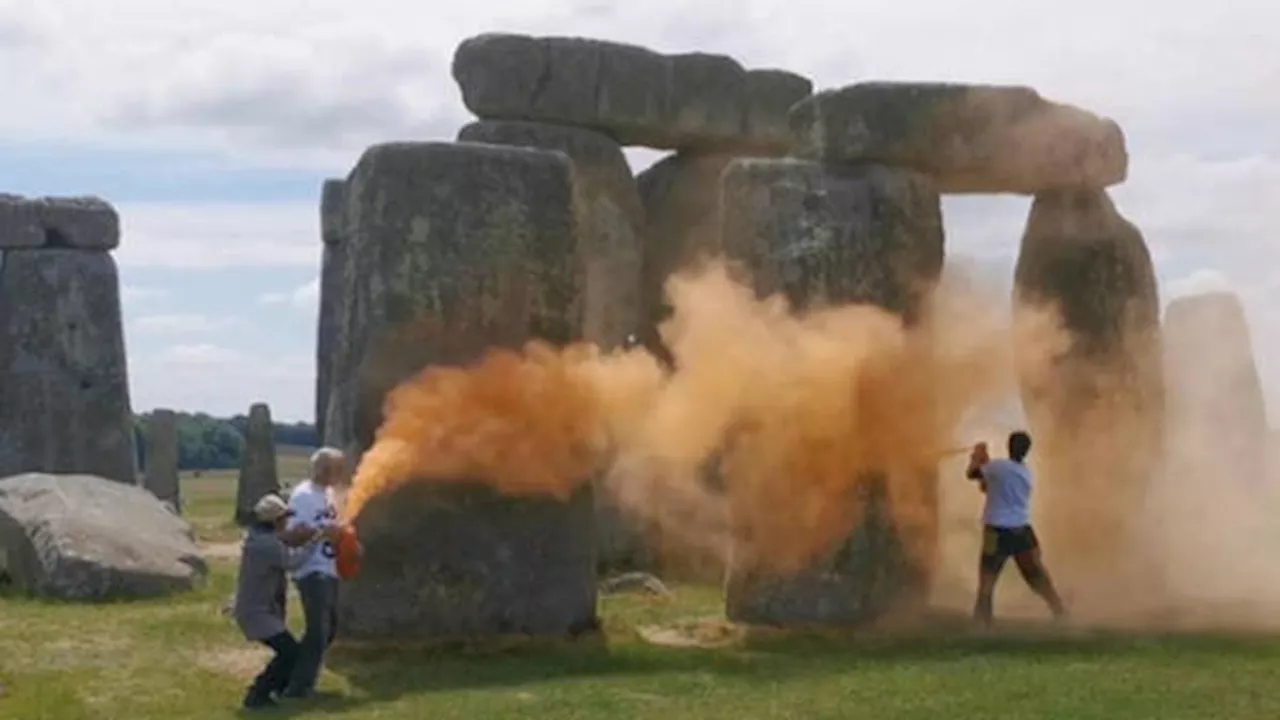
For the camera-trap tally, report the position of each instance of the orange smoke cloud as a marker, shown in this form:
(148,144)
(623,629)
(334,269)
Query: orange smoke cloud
(792,413)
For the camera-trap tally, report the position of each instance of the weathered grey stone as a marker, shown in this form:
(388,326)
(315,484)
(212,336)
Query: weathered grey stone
(330,344)
(20,222)
(611,223)
(258,473)
(333,204)
(1215,399)
(634,582)
(820,235)
(456,248)
(161,474)
(770,96)
(971,138)
(861,579)
(635,95)
(1096,412)
(86,223)
(464,563)
(82,537)
(64,390)
(681,197)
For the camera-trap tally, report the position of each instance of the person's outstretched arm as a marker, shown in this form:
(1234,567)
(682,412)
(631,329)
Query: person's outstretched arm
(977,460)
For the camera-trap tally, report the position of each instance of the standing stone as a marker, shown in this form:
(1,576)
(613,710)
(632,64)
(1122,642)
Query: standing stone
(456,248)
(819,235)
(85,223)
(634,95)
(1216,405)
(161,475)
(64,389)
(681,196)
(329,344)
(258,473)
(970,138)
(1096,410)
(611,223)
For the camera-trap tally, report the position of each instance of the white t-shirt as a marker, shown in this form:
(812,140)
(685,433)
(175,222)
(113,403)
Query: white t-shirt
(312,505)
(1008,494)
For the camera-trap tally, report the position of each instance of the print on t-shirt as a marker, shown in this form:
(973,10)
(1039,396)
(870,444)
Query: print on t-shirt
(311,505)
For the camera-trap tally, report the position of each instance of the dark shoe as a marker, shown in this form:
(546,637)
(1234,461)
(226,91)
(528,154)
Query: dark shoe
(254,700)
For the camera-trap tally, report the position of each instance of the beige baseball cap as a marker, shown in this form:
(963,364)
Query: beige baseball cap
(270,508)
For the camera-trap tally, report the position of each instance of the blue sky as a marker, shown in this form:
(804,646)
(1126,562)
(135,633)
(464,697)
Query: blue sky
(211,125)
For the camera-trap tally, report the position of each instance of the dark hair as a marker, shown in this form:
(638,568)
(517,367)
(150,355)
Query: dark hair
(1019,445)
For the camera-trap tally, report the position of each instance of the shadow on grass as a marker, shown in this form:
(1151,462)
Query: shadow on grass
(388,674)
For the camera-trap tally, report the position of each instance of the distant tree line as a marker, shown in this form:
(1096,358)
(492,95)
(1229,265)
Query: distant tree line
(212,443)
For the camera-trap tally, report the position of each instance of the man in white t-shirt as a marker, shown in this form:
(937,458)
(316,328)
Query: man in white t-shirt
(1006,521)
(313,527)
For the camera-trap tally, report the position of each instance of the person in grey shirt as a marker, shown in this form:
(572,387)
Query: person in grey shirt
(1006,521)
(261,598)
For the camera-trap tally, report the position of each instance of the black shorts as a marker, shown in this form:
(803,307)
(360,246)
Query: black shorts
(1000,544)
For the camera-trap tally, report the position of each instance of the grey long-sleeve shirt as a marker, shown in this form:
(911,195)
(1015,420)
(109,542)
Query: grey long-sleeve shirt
(261,585)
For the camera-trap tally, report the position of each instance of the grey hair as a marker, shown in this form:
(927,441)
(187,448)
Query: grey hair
(323,458)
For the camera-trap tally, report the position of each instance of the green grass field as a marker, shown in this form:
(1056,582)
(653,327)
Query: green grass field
(179,658)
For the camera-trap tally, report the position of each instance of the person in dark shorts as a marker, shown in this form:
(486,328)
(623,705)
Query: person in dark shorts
(1007,531)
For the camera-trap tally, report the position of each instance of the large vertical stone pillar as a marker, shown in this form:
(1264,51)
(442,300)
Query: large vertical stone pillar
(330,345)
(1218,468)
(1217,411)
(1096,411)
(455,249)
(821,234)
(681,196)
(161,473)
(64,389)
(611,223)
(259,474)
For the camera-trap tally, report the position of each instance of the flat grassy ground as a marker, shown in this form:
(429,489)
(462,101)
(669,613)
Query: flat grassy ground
(179,658)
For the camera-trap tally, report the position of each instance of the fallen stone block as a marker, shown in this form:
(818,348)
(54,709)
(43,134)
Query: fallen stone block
(64,383)
(970,138)
(84,223)
(81,537)
(635,95)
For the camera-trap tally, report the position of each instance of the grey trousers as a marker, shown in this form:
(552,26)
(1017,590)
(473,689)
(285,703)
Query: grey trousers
(319,594)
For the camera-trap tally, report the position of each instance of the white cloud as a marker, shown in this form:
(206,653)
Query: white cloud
(189,323)
(223,381)
(129,293)
(211,235)
(304,297)
(1199,282)
(200,355)
(319,79)
(309,83)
